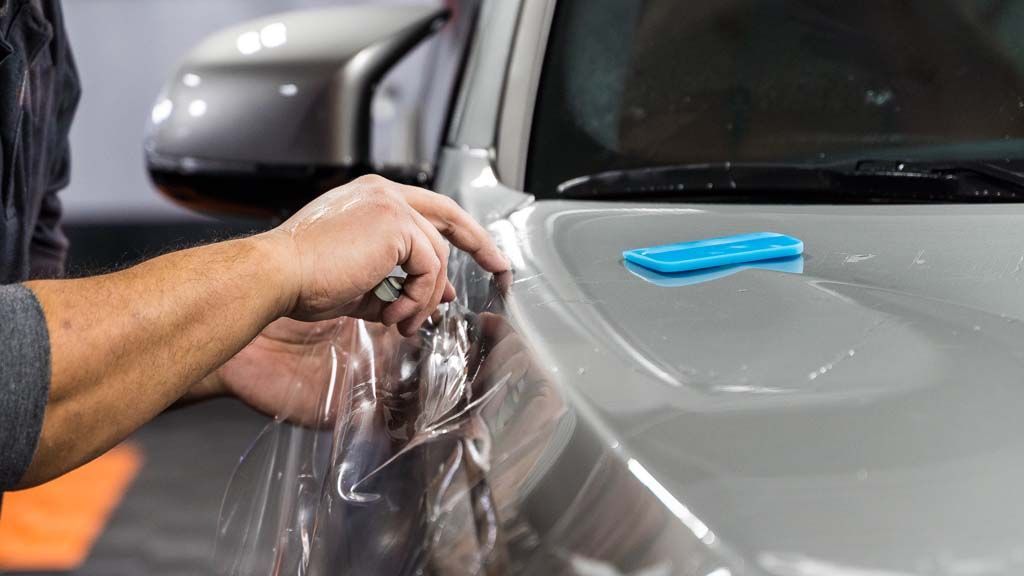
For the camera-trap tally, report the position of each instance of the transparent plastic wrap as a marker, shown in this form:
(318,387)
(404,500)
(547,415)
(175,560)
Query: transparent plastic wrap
(451,453)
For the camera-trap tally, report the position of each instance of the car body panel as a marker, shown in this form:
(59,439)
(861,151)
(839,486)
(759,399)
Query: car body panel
(857,418)
(861,414)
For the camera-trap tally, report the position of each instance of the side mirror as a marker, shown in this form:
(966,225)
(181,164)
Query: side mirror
(262,117)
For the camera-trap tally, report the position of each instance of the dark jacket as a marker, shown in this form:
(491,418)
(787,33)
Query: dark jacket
(39,91)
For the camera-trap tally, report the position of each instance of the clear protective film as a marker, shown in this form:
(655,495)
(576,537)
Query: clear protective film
(451,453)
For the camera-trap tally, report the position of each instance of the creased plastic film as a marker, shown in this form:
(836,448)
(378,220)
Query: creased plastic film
(452,453)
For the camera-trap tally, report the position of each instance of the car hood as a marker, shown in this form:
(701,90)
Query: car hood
(857,414)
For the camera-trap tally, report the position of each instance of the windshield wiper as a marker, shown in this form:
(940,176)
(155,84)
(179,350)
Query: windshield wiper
(862,181)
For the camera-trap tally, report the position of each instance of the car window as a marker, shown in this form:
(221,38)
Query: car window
(631,83)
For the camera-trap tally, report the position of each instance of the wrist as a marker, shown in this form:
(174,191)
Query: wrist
(280,258)
(213,386)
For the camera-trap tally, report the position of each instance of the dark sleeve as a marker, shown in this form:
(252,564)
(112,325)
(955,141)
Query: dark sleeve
(24,380)
(49,244)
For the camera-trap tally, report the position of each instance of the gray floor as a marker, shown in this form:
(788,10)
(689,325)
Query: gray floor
(166,524)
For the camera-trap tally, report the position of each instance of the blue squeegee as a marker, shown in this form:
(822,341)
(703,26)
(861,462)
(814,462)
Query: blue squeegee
(700,254)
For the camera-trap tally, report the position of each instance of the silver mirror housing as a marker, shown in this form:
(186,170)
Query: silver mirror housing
(263,116)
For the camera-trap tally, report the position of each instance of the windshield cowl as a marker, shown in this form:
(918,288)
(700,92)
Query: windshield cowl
(862,181)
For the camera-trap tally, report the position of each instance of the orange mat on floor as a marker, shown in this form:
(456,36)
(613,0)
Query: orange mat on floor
(53,526)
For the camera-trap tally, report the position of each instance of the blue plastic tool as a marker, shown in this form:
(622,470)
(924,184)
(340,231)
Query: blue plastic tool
(701,254)
(791,265)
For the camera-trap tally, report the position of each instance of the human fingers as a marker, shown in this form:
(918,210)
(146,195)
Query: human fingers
(442,249)
(422,265)
(457,226)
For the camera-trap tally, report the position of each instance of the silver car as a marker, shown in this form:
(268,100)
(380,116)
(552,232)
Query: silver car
(854,412)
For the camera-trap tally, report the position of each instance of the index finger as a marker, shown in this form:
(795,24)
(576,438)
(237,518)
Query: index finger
(458,227)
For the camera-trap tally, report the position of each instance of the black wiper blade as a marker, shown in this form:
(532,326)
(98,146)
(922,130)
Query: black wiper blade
(861,181)
(974,177)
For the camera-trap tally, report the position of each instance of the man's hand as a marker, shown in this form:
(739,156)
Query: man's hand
(375,225)
(340,246)
(286,371)
(282,372)
(125,346)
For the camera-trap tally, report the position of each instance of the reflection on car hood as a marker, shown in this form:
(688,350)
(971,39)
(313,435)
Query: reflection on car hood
(861,417)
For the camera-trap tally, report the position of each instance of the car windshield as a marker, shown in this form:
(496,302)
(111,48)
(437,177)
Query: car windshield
(633,84)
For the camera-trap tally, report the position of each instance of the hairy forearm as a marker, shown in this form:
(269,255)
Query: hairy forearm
(125,346)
